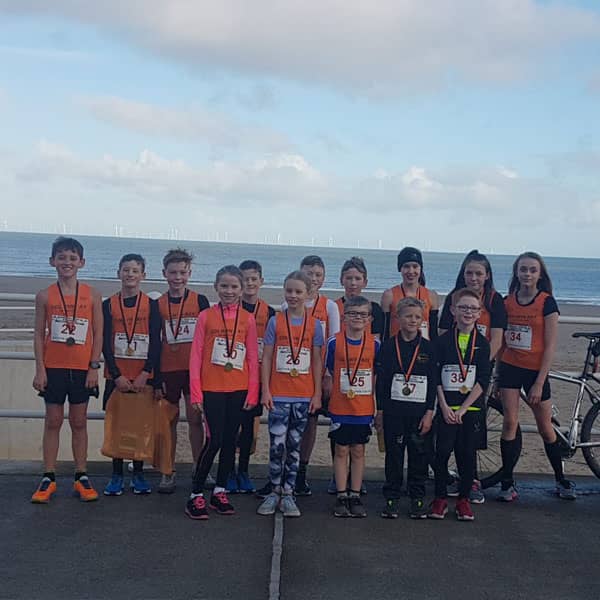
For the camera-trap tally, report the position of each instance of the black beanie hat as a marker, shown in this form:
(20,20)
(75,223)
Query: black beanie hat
(409,254)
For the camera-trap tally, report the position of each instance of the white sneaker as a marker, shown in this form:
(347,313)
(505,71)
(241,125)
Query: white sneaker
(288,506)
(269,505)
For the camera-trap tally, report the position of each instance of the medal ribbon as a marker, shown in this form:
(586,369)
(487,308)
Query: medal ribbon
(71,321)
(413,360)
(228,347)
(175,331)
(349,374)
(314,308)
(464,369)
(295,356)
(138,301)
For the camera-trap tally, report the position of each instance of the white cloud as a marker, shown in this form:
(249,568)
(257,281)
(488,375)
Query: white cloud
(196,124)
(375,48)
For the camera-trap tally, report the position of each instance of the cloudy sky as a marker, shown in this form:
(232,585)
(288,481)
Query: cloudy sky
(446,124)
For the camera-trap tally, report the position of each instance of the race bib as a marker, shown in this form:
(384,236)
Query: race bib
(362,384)
(452,380)
(59,332)
(482,329)
(185,335)
(518,336)
(219,354)
(413,391)
(261,348)
(425,329)
(138,348)
(284,362)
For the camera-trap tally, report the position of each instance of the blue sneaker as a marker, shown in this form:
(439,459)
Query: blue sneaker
(139,485)
(115,486)
(232,483)
(245,485)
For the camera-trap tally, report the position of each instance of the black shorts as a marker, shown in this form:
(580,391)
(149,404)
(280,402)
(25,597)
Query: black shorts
(347,434)
(66,383)
(176,383)
(515,378)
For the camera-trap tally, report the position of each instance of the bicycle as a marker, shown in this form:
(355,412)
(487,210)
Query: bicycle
(580,431)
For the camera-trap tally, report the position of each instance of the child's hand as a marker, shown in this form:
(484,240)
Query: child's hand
(158,394)
(327,385)
(197,407)
(448,414)
(315,405)
(379,421)
(535,394)
(91,379)
(426,421)
(247,406)
(267,400)
(459,414)
(40,381)
(123,384)
(140,381)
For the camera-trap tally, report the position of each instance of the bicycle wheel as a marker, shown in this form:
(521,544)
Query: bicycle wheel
(590,432)
(489,461)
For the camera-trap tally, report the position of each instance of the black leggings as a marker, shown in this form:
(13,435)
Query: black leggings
(462,439)
(246,437)
(222,413)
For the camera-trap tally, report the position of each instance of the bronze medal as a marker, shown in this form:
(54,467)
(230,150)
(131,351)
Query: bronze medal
(294,372)
(229,347)
(129,336)
(464,368)
(350,394)
(406,390)
(130,351)
(228,366)
(70,321)
(464,389)
(175,331)
(70,341)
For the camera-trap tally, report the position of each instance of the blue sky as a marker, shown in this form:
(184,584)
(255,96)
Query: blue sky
(446,125)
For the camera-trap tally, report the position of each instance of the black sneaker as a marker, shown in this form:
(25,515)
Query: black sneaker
(302,487)
(357,508)
(341,508)
(264,491)
(417,509)
(196,508)
(221,504)
(390,510)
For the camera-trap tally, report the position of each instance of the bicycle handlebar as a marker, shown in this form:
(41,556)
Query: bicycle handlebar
(586,334)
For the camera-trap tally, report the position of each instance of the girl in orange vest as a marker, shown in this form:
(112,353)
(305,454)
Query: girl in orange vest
(292,368)
(530,342)
(410,266)
(131,351)
(223,381)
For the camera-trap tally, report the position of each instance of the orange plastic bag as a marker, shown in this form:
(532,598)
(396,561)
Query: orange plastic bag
(165,413)
(129,425)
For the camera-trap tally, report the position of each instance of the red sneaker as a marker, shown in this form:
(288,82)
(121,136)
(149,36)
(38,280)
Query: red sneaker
(463,510)
(439,508)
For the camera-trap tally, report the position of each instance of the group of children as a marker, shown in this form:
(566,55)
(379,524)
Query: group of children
(421,383)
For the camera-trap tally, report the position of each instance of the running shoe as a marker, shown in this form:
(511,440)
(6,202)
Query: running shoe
(196,507)
(139,485)
(439,509)
(245,485)
(341,508)
(288,506)
(476,494)
(463,510)
(508,495)
(357,508)
(167,484)
(44,491)
(566,489)
(302,486)
(115,486)
(332,486)
(82,488)
(220,503)
(232,483)
(264,491)
(269,504)
(417,509)
(452,488)
(390,510)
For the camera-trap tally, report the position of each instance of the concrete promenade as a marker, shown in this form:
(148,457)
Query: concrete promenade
(145,547)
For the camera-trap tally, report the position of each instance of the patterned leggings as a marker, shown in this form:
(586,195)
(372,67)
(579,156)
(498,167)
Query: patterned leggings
(287,422)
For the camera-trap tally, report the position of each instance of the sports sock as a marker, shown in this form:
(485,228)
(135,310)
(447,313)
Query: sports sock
(138,467)
(555,457)
(50,475)
(118,466)
(79,475)
(510,450)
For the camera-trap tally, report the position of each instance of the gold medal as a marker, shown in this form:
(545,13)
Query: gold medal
(464,389)
(228,366)
(130,351)
(350,394)
(406,390)
(294,372)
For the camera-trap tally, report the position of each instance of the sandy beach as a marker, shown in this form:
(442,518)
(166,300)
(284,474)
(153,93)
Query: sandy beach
(569,357)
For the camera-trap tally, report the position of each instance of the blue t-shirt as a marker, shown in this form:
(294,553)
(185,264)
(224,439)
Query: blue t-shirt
(269,340)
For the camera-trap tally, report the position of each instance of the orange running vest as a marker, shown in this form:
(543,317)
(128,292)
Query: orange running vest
(423,295)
